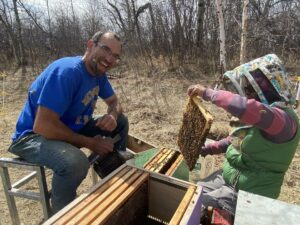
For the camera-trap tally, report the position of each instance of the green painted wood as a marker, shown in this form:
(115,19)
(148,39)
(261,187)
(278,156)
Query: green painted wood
(140,159)
(195,175)
(182,171)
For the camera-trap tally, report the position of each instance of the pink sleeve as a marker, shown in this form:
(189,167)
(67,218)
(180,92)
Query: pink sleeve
(277,124)
(216,147)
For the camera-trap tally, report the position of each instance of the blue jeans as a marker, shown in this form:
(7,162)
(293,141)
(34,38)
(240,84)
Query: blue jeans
(69,164)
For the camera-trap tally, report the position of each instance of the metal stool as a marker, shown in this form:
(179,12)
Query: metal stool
(12,190)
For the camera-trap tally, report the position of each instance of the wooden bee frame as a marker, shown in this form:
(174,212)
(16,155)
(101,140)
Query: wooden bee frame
(169,162)
(194,130)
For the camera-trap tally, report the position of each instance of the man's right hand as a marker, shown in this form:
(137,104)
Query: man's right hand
(102,144)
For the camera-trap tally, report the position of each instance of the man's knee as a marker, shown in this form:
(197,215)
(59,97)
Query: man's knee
(76,164)
(80,164)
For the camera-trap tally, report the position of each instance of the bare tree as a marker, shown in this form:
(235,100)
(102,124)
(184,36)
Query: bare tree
(51,45)
(222,36)
(19,36)
(118,18)
(200,21)
(173,31)
(153,27)
(92,20)
(13,27)
(244,32)
(178,31)
(6,21)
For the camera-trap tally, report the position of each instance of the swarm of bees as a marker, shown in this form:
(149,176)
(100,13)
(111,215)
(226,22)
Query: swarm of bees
(194,129)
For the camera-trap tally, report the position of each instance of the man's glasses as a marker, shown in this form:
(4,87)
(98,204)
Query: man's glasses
(108,51)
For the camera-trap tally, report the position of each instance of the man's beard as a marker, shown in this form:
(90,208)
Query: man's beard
(95,69)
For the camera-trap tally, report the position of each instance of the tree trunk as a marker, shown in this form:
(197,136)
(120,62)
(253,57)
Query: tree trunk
(178,35)
(12,37)
(19,35)
(130,21)
(244,32)
(200,20)
(51,47)
(222,36)
(136,22)
(153,29)
(12,40)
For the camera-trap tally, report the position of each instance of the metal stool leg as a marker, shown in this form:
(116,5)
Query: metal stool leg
(12,190)
(44,194)
(9,198)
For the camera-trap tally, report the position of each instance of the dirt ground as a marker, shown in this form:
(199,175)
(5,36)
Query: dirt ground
(153,103)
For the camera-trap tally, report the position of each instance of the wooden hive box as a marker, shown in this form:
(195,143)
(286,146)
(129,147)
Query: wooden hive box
(169,162)
(136,144)
(133,196)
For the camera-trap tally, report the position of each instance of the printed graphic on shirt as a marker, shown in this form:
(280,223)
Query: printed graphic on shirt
(90,95)
(89,101)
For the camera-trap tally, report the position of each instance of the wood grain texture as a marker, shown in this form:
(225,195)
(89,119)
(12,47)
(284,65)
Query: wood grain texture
(183,206)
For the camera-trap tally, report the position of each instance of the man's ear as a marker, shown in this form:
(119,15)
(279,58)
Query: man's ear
(90,44)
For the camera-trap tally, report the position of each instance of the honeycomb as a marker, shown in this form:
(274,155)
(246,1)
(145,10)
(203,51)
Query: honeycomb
(194,129)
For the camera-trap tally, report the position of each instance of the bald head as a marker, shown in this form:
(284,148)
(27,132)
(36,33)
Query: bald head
(107,35)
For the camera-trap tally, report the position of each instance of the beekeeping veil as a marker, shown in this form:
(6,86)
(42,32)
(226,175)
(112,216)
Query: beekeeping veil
(266,76)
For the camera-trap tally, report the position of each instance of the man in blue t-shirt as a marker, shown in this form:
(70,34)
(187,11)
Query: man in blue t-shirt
(56,120)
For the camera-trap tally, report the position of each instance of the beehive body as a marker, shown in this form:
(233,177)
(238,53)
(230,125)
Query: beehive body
(134,196)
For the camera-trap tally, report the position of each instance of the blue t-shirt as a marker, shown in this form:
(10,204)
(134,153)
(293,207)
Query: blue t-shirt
(67,88)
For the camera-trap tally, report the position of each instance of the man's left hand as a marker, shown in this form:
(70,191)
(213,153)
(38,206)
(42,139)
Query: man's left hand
(108,122)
